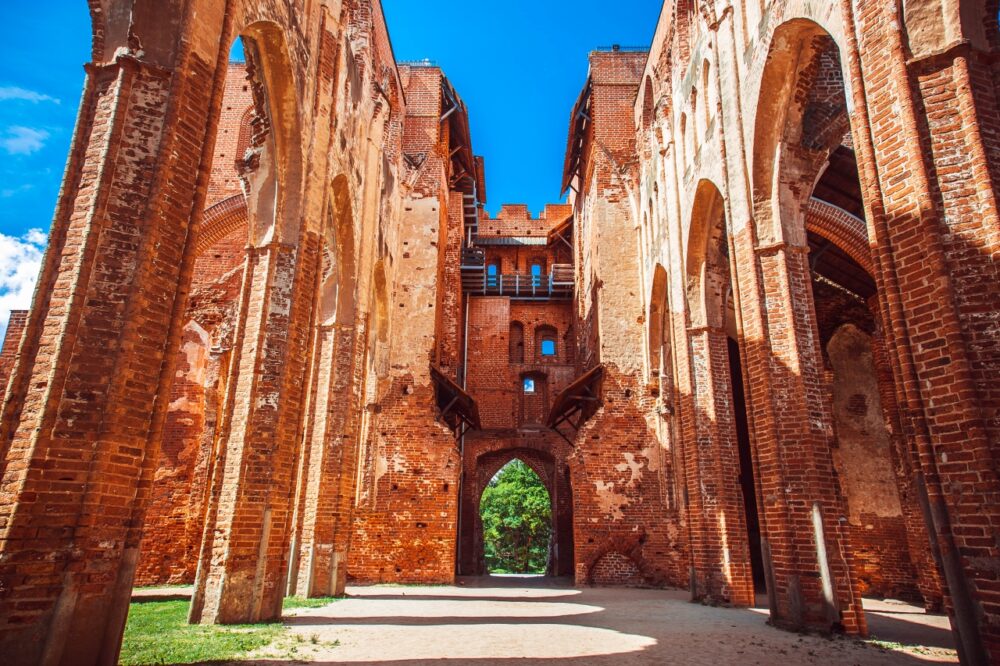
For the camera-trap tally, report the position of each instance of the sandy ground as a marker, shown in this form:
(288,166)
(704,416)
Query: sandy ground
(497,621)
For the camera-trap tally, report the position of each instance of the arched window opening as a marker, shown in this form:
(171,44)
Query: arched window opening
(492,274)
(516,513)
(706,71)
(684,141)
(516,351)
(648,112)
(545,341)
(660,346)
(697,124)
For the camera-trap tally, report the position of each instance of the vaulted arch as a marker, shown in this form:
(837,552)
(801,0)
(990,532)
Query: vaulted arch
(272,167)
(707,263)
(659,334)
(339,273)
(799,121)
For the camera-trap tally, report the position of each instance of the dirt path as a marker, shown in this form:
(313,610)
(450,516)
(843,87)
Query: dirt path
(499,621)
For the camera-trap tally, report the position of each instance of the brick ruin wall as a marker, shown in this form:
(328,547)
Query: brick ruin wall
(504,349)
(863,457)
(175,518)
(406,515)
(838,395)
(12,339)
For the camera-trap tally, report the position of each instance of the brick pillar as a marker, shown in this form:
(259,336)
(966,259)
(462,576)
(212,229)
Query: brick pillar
(330,465)
(217,374)
(78,436)
(11,342)
(241,574)
(928,153)
(721,559)
(909,480)
(802,513)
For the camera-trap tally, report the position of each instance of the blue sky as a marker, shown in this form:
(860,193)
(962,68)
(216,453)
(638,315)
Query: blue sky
(518,64)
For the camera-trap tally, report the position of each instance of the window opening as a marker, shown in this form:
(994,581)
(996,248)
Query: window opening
(536,275)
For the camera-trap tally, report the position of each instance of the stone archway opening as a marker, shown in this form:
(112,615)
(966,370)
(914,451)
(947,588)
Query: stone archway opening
(730,523)
(501,479)
(246,243)
(809,214)
(243,182)
(515,509)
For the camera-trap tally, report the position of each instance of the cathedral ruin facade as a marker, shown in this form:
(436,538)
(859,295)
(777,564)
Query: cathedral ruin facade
(278,344)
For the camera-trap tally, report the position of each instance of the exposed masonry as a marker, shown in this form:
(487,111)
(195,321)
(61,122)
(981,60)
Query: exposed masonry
(278,343)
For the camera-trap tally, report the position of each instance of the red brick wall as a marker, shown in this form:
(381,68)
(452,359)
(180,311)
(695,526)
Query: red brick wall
(173,528)
(233,137)
(8,351)
(516,220)
(174,521)
(614,568)
(405,518)
(621,478)
(864,456)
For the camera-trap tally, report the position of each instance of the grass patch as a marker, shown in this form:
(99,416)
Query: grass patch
(303,602)
(158,633)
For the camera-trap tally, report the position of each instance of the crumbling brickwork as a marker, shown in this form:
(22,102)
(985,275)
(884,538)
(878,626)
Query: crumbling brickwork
(174,521)
(782,216)
(11,342)
(278,342)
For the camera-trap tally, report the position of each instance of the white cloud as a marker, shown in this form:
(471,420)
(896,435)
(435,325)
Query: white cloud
(21,94)
(19,140)
(20,262)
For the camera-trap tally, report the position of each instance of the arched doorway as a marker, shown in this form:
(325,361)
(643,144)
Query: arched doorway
(535,469)
(515,511)
(725,520)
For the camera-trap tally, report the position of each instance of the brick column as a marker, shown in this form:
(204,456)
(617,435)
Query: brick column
(909,481)
(241,573)
(721,558)
(217,374)
(927,155)
(802,512)
(78,433)
(330,465)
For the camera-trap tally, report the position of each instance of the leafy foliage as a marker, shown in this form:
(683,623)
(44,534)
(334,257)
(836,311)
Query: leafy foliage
(517,521)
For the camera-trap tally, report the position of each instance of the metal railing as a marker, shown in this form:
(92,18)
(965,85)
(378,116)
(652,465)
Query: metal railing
(522,287)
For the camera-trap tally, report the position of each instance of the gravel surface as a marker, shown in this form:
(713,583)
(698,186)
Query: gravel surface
(497,621)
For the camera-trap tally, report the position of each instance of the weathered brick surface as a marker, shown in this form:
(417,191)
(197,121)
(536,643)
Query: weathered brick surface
(11,343)
(173,528)
(79,424)
(253,269)
(754,101)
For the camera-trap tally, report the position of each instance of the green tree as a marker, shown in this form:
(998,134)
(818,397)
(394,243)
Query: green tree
(517,521)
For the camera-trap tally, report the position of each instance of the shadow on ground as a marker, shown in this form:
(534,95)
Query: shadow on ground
(498,621)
